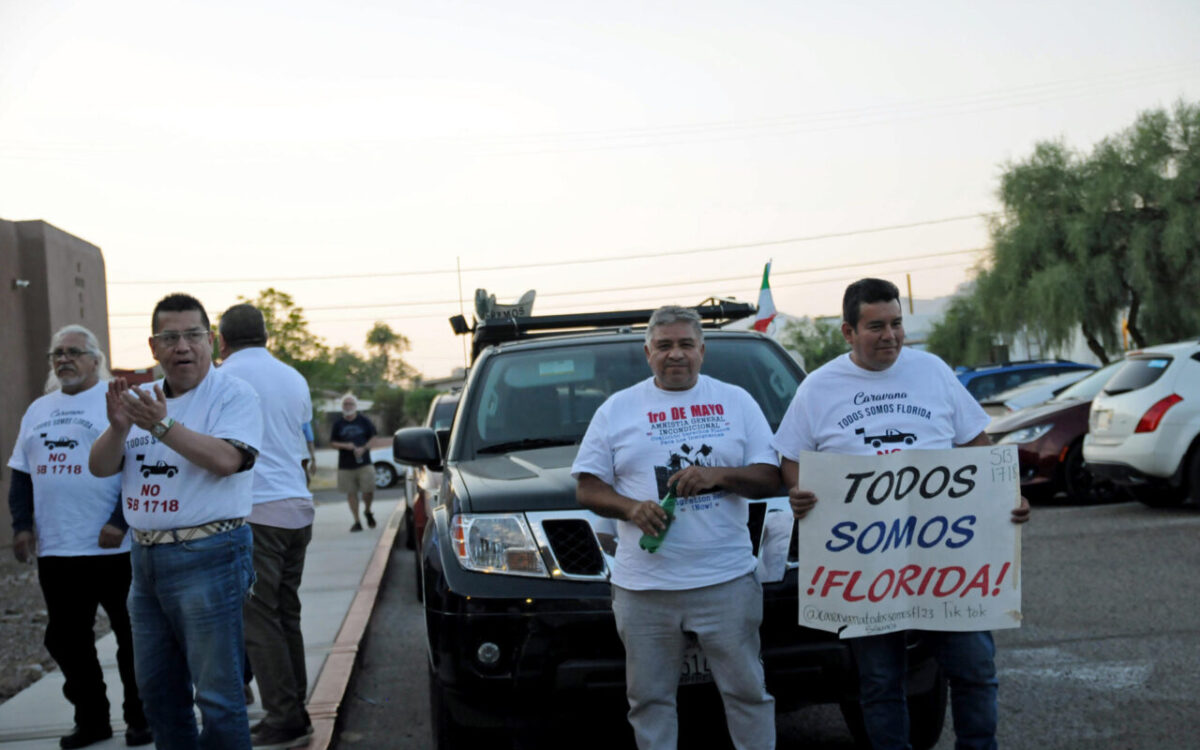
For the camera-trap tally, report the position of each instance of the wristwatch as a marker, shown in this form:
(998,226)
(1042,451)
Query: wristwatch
(158,429)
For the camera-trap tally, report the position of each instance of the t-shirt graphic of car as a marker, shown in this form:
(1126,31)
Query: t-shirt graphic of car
(162,467)
(60,442)
(889,436)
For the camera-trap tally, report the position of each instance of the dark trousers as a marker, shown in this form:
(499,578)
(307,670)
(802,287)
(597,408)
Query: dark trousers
(73,588)
(271,612)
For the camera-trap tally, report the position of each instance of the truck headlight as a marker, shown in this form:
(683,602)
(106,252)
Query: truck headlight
(1026,434)
(496,543)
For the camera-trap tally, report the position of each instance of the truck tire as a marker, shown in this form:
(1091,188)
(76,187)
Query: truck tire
(447,733)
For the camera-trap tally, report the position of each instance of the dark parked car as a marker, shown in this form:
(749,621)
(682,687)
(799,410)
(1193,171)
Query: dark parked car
(983,381)
(515,574)
(423,482)
(1049,440)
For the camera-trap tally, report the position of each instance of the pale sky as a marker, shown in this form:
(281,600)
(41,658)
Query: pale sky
(355,153)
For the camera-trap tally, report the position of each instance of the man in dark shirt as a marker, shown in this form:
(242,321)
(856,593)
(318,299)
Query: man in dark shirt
(351,436)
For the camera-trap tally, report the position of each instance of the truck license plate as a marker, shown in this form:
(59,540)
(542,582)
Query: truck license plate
(695,670)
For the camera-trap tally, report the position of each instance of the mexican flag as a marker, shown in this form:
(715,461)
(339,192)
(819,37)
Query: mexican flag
(766,305)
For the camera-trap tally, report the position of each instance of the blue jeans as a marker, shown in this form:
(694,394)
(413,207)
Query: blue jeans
(967,659)
(186,608)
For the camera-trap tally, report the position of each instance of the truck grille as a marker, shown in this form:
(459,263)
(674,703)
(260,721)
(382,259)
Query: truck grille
(574,545)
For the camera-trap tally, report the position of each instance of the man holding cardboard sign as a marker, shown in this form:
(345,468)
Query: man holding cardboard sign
(875,401)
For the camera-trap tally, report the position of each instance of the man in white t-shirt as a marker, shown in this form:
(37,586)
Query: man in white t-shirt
(709,441)
(72,523)
(879,388)
(282,526)
(184,447)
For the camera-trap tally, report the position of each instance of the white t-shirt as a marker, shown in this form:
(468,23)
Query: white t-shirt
(917,404)
(70,505)
(286,406)
(641,436)
(162,489)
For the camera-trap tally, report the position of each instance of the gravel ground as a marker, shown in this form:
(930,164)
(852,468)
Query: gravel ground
(23,658)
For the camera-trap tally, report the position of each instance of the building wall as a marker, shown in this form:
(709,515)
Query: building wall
(50,279)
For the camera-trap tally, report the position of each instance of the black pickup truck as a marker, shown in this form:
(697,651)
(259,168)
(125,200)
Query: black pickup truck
(515,573)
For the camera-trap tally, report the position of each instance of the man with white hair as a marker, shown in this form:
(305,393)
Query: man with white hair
(351,436)
(72,523)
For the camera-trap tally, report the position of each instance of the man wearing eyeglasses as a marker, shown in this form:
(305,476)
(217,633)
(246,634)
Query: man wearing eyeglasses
(184,447)
(71,522)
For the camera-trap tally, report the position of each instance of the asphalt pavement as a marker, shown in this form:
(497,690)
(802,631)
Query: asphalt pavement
(1108,654)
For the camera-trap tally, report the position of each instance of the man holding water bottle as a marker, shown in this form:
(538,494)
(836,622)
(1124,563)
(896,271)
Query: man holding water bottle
(709,444)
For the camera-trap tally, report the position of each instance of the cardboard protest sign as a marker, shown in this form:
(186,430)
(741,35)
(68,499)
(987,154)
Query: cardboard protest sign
(910,540)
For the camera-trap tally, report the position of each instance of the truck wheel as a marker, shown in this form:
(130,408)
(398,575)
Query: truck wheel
(448,735)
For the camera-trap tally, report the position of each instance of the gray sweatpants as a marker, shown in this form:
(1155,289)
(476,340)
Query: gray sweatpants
(725,618)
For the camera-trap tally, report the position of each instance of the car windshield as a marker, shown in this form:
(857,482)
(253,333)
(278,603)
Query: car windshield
(542,397)
(1089,387)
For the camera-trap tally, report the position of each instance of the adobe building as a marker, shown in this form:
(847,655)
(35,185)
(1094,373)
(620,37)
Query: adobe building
(49,279)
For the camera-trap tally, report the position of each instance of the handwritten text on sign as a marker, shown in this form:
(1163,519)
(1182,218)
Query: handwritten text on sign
(914,539)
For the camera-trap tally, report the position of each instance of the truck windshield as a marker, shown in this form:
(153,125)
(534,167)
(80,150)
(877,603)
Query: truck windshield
(546,396)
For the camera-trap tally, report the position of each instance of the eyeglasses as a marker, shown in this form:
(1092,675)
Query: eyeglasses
(71,353)
(171,338)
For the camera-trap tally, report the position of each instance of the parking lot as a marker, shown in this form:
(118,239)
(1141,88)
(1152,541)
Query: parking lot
(1108,655)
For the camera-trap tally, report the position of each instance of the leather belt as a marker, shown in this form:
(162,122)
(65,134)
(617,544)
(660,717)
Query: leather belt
(187,534)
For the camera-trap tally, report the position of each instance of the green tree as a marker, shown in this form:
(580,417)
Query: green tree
(964,336)
(289,337)
(389,405)
(1087,241)
(387,346)
(416,404)
(816,341)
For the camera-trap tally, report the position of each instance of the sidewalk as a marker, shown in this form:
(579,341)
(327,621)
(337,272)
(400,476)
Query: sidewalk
(341,578)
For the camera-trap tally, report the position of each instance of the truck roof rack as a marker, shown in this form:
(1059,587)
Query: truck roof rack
(499,330)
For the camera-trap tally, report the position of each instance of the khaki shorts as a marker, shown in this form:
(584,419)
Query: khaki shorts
(361,479)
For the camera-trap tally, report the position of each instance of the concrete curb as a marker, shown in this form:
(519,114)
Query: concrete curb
(330,687)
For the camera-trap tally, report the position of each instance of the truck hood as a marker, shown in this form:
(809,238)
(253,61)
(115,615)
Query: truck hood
(528,480)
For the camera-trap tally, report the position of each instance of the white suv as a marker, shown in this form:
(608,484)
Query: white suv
(1144,426)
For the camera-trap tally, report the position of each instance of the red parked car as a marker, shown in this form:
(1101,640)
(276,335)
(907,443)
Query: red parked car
(1049,439)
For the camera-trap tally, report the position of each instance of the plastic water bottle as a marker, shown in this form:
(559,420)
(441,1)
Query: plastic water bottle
(651,543)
